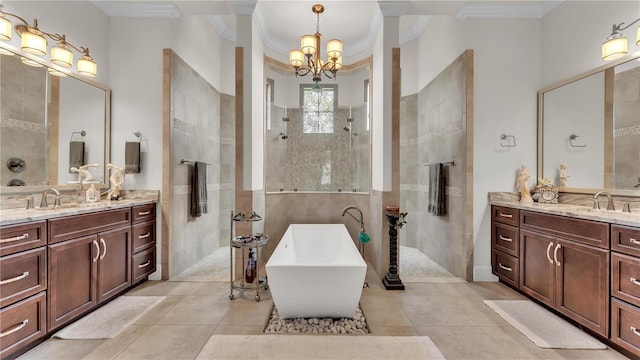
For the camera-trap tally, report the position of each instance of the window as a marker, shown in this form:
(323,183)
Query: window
(318,108)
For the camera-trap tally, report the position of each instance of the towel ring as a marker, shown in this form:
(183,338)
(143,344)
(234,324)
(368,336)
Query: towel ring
(138,134)
(81,133)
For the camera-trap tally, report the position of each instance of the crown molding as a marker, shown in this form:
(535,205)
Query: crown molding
(138,9)
(507,10)
(242,7)
(415,30)
(220,26)
(393,8)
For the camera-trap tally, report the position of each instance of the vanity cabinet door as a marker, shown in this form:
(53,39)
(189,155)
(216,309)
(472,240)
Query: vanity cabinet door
(582,284)
(536,266)
(73,266)
(114,261)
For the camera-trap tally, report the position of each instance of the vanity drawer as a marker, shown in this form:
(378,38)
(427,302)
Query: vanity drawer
(625,239)
(506,267)
(142,213)
(22,323)
(505,238)
(15,238)
(505,215)
(625,325)
(144,236)
(67,228)
(22,275)
(625,278)
(588,232)
(143,265)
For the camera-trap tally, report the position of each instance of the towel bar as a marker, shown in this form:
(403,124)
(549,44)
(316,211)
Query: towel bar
(183,161)
(452,163)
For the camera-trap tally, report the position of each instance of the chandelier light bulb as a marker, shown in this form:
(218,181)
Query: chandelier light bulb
(296,58)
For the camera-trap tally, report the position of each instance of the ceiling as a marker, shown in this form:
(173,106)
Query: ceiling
(281,23)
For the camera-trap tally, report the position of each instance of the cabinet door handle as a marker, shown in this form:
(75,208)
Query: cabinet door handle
(104,245)
(634,330)
(15,238)
(144,265)
(505,267)
(95,242)
(548,254)
(16,328)
(17,278)
(631,240)
(505,238)
(144,236)
(508,216)
(555,254)
(635,281)
(140,213)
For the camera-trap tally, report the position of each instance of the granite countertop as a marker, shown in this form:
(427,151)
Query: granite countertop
(133,198)
(570,210)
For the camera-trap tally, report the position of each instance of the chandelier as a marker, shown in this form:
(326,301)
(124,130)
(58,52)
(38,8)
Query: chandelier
(616,44)
(33,41)
(306,60)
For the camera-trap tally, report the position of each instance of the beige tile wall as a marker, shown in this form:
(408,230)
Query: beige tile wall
(202,128)
(434,128)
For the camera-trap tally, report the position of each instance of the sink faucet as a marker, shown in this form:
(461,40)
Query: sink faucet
(360,220)
(596,204)
(43,199)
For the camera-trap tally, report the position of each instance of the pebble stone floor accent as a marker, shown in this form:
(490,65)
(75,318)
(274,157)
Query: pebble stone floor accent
(355,325)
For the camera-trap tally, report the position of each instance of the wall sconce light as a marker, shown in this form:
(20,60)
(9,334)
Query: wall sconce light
(616,45)
(34,41)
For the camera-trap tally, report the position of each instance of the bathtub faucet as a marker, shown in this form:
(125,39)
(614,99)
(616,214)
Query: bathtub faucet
(360,220)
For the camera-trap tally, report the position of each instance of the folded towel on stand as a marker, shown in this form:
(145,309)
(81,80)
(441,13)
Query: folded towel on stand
(132,157)
(199,189)
(76,154)
(437,201)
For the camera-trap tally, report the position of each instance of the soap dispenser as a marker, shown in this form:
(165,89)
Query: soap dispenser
(92,194)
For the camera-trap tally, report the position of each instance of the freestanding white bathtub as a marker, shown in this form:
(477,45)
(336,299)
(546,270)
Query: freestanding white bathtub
(316,271)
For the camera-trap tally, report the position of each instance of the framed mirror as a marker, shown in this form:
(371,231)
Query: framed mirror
(48,124)
(589,130)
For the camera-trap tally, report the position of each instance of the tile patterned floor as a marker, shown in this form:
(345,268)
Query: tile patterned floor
(451,314)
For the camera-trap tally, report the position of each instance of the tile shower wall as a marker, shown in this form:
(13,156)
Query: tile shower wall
(627,128)
(433,129)
(296,161)
(202,128)
(22,118)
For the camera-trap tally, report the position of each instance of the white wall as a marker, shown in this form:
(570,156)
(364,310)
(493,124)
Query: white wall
(505,101)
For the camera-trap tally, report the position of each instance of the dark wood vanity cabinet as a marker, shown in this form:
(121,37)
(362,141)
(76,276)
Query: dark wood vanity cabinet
(143,245)
(89,269)
(505,244)
(23,285)
(56,270)
(564,263)
(625,287)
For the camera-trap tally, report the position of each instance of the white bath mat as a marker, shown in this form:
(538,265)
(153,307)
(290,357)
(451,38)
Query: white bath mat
(295,347)
(543,327)
(111,319)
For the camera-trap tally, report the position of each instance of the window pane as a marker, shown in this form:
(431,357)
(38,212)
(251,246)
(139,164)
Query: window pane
(318,110)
